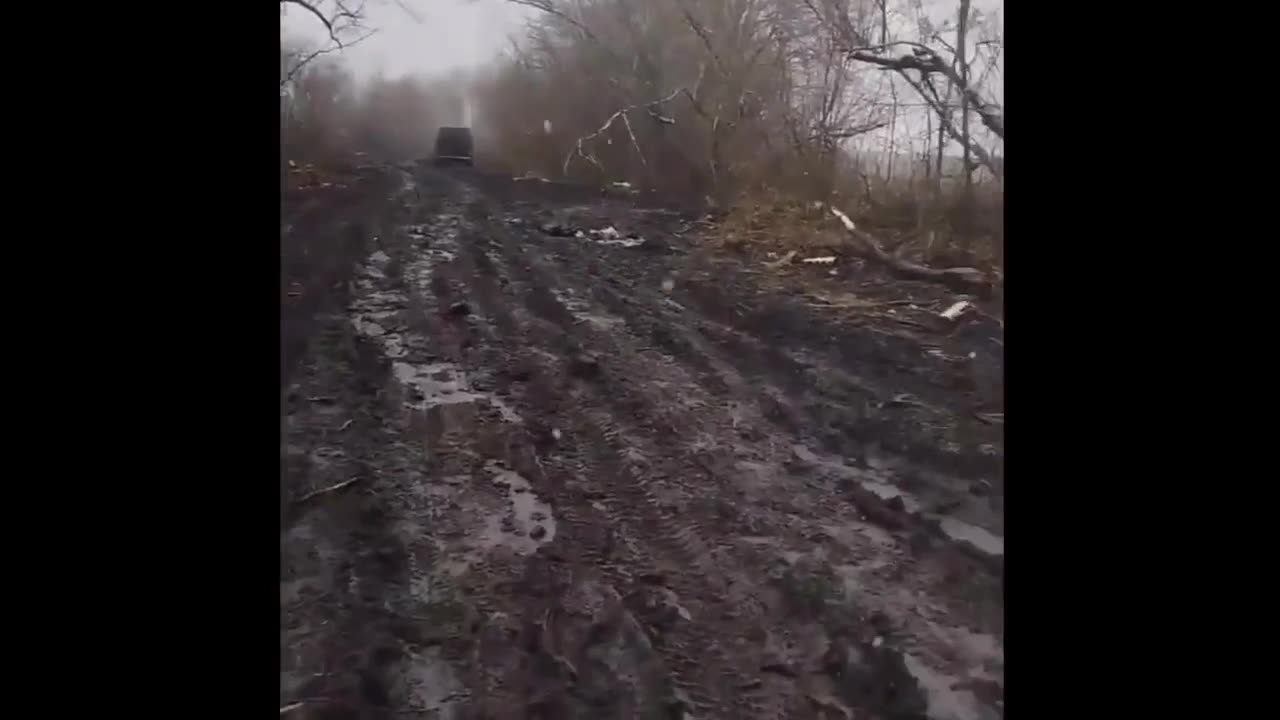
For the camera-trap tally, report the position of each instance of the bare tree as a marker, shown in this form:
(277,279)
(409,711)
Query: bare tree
(961,46)
(929,65)
(344,24)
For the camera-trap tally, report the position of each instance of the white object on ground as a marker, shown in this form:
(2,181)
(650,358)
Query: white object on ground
(956,310)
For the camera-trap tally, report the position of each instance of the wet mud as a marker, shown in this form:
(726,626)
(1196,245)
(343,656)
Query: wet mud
(535,474)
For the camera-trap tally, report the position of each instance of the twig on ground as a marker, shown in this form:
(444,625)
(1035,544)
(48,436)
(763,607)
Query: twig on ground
(346,424)
(326,490)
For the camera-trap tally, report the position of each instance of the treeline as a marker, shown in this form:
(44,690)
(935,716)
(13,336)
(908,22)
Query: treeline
(327,115)
(880,104)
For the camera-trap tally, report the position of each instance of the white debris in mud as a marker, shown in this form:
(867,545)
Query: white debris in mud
(981,539)
(628,242)
(610,236)
(956,310)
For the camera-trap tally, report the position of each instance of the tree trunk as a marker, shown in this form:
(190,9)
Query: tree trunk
(893,91)
(962,56)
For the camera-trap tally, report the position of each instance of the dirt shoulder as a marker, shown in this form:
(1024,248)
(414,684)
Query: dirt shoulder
(531,474)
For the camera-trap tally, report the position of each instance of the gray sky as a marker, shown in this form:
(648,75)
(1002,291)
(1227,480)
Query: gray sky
(454,34)
(450,34)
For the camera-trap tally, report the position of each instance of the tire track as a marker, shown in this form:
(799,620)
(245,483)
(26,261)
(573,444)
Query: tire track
(610,449)
(837,405)
(537,271)
(701,559)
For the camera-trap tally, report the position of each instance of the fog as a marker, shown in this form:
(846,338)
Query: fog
(418,37)
(431,62)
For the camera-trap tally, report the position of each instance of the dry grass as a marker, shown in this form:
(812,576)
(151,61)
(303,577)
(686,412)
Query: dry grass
(910,222)
(769,223)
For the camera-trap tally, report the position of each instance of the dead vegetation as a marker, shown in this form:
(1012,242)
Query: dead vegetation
(884,110)
(764,107)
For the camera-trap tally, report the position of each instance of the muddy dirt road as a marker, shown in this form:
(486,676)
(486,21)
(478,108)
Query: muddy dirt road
(533,475)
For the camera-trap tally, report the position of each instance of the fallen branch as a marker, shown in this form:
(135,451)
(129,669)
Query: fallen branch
(968,276)
(326,490)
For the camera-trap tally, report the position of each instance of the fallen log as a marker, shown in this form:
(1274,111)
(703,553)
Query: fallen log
(971,277)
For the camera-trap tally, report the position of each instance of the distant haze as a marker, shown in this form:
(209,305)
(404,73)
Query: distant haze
(449,37)
(446,35)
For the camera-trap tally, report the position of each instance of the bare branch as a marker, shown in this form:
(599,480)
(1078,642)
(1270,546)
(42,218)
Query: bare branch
(578,146)
(293,72)
(330,23)
(928,62)
(924,87)
(627,123)
(857,130)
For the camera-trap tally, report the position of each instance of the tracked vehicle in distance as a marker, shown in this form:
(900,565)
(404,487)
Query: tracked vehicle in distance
(454,146)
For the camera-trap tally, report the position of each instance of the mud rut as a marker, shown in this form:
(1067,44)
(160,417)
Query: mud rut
(581,495)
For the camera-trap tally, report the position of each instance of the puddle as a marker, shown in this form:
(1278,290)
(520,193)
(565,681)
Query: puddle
(851,576)
(508,413)
(529,522)
(981,539)
(435,384)
(518,523)
(855,533)
(957,530)
(433,687)
(581,312)
(374,310)
(885,491)
(944,703)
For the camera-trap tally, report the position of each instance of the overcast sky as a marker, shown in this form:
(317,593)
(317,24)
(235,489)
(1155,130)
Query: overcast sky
(436,36)
(445,34)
